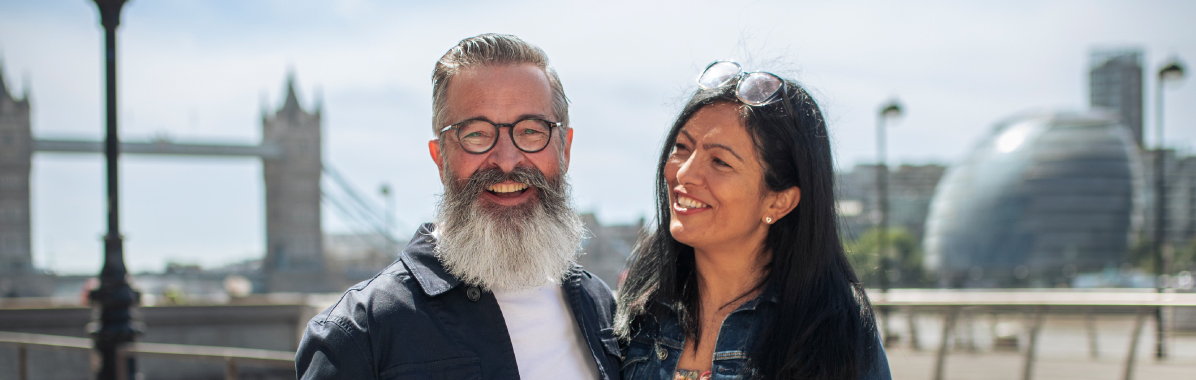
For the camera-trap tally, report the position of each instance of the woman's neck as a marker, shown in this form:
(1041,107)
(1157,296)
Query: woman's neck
(728,277)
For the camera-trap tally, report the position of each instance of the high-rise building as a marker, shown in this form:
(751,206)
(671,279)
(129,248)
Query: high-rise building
(1115,85)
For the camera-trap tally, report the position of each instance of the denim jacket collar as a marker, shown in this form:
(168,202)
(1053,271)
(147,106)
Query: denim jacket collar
(768,295)
(420,258)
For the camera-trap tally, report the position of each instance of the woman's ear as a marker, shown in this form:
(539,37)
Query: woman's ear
(783,202)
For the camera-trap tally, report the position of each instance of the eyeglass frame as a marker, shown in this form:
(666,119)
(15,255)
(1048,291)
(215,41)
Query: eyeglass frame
(497,131)
(738,78)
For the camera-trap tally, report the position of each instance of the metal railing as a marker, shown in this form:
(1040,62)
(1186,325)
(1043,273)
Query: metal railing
(230,356)
(1037,303)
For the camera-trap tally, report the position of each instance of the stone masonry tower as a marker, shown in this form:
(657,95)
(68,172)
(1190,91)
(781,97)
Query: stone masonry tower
(16,153)
(17,276)
(294,246)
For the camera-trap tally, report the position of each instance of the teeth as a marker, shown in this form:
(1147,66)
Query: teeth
(507,188)
(688,202)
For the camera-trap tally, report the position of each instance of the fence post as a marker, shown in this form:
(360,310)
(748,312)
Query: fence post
(230,368)
(1028,365)
(1090,322)
(122,368)
(948,325)
(1130,358)
(913,329)
(22,362)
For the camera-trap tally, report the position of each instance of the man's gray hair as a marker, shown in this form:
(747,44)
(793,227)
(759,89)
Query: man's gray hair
(491,49)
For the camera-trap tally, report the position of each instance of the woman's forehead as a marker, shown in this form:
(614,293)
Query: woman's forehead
(721,122)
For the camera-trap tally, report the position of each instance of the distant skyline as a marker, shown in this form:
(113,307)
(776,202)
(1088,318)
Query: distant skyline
(204,71)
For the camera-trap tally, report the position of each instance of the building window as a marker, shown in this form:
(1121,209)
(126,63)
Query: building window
(11,181)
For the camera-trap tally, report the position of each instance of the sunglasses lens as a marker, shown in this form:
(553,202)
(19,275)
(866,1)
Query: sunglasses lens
(718,74)
(758,88)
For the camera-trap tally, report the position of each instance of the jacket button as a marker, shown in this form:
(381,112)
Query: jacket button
(473,293)
(661,353)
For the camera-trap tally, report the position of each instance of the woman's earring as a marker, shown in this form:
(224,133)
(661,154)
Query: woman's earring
(768,220)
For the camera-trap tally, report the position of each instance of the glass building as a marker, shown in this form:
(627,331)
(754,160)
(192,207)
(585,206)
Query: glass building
(1042,198)
(1115,84)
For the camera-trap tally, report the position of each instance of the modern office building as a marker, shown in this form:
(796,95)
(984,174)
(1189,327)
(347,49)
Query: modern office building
(1115,85)
(1042,198)
(910,189)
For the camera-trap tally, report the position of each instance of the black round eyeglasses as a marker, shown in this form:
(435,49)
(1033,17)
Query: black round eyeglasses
(477,136)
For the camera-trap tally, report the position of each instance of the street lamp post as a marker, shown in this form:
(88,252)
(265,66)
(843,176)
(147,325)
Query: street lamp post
(114,298)
(1171,71)
(889,110)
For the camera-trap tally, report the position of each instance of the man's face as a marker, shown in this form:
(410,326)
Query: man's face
(501,94)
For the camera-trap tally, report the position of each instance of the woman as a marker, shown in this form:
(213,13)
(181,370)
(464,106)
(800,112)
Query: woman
(745,276)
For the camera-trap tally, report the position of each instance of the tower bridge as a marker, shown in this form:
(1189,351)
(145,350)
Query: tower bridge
(291,156)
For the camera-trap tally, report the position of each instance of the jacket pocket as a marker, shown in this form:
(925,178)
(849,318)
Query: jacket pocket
(638,360)
(468,368)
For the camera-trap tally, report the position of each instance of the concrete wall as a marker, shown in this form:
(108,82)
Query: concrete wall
(270,327)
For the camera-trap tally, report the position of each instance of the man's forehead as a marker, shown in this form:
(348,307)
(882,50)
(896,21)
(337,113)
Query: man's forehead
(499,91)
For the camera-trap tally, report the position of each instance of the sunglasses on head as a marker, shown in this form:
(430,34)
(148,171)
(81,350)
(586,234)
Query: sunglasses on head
(756,88)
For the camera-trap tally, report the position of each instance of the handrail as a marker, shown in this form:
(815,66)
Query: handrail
(229,355)
(1028,298)
(55,341)
(268,357)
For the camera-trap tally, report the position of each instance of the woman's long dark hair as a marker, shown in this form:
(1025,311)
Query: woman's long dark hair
(823,327)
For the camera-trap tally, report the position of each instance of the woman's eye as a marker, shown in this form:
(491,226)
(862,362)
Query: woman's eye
(719,162)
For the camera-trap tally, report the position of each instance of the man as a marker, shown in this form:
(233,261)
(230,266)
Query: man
(490,291)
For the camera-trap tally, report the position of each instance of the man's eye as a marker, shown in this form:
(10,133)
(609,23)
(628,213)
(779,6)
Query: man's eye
(472,135)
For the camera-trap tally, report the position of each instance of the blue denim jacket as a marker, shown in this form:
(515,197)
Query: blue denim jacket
(415,321)
(656,346)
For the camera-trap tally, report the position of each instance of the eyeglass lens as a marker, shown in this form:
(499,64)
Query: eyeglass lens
(718,74)
(529,135)
(758,88)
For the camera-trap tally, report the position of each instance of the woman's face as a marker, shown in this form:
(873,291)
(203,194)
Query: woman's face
(718,199)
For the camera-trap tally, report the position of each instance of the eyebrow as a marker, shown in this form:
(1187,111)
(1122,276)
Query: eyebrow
(724,147)
(713,145)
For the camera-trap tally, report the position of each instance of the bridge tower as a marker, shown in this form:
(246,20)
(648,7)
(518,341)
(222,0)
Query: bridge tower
(294,259)
(17,275)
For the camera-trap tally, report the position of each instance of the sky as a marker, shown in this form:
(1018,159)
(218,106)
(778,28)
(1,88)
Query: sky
(206,70)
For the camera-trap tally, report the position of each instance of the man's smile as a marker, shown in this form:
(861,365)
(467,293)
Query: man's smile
(508,193)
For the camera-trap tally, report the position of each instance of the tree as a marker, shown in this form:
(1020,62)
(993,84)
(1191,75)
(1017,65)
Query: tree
(905,253)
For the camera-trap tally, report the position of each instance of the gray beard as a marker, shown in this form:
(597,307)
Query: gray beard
(501,248)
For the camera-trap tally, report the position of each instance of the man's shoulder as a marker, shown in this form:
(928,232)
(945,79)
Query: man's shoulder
(392,291)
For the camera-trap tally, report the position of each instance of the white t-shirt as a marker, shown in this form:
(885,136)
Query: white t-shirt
(547,341)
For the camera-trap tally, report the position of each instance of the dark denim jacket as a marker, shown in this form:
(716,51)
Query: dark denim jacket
(656,346)
(415,321)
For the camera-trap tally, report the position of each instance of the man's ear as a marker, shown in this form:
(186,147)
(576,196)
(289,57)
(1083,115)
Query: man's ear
(568,147)
(783,203)
(434,150)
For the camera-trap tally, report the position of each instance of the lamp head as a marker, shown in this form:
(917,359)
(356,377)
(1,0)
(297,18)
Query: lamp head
(892,109)
(1172,71)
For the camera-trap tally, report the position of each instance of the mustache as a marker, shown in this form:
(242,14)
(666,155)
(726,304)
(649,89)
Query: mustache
(486,177)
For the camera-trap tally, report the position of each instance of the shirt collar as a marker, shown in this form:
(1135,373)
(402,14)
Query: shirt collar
(420,259)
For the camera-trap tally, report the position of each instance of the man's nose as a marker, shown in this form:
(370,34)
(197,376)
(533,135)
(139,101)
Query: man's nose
(506,155)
